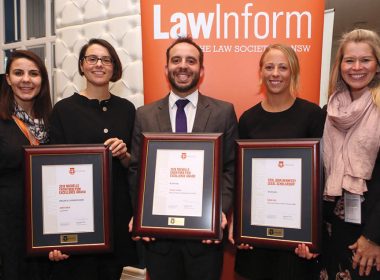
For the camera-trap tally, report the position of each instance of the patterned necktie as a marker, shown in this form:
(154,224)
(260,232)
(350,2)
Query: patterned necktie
(180,117)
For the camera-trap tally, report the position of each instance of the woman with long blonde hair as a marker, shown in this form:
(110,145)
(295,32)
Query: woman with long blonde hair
(351,158)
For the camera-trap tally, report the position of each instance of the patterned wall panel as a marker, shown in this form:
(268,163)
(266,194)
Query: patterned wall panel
(113,20)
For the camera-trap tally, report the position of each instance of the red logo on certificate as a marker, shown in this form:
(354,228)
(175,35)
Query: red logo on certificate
(281,164)
(72,171)
(183,156)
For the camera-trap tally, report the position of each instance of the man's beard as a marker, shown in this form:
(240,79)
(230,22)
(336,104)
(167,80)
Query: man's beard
(180,88)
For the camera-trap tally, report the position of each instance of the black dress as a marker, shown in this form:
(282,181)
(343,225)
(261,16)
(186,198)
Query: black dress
(302,120)
(79,120)
(14,264)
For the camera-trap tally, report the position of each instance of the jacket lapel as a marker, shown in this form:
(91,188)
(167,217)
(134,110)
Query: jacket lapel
(163,115)
(202,115)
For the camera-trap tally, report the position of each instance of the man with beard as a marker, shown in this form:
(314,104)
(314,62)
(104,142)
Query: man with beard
(173,259)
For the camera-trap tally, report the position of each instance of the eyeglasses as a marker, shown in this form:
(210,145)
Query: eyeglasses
(93,59)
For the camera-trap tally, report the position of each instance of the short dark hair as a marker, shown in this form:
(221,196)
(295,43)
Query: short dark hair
(42,104)
(117,68)
(188,40)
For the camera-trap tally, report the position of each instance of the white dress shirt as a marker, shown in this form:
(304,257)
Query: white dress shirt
(190,109)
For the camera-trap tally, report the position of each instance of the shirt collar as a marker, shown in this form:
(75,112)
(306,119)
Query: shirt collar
(193,98)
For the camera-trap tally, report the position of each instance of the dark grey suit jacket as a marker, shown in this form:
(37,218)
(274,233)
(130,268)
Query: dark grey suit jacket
(212,116)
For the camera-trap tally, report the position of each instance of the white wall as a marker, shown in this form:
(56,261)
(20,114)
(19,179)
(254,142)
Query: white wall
(328,27)
(117,21)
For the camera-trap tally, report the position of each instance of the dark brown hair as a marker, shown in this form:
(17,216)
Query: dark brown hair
(188,40)
(42,104)
(117,68)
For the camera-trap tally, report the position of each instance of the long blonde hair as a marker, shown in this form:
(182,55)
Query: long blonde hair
(357,36)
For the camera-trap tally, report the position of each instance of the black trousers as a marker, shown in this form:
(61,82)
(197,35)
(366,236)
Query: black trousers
(184,260)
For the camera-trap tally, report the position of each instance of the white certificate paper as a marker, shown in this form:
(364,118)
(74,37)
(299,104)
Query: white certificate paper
(276,192)
(178,184)
(67,195)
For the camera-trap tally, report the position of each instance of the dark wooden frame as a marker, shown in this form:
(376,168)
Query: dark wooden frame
(100,240)
(205,227)
(311,199)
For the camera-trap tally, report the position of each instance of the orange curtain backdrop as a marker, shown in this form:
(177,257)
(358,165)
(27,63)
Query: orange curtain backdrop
(233,35)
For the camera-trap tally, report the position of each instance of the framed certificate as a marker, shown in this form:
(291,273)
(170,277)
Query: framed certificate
(68,198)
(278,198)
(179,194)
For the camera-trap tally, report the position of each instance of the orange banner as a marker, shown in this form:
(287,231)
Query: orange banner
(233,34)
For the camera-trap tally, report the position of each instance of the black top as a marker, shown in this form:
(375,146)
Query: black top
(12,230)
(302,120)
(79,120)
(11,169)
(371,205)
